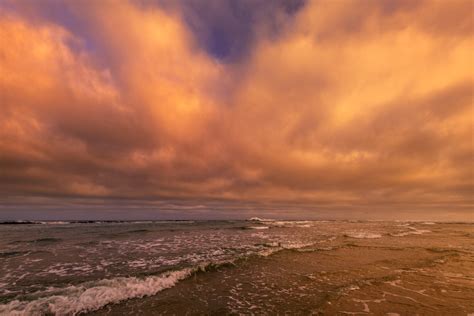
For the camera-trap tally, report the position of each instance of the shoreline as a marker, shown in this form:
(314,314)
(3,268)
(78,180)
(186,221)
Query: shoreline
(359,276)
(289,267)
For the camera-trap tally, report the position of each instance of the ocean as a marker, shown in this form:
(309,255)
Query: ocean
(251,267)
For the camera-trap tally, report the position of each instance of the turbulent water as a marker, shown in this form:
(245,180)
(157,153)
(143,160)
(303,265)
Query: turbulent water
(237,267)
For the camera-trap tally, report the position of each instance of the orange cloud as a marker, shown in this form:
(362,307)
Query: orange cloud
(353,105)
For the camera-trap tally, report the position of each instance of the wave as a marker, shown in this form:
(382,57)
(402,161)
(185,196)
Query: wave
(281,223)
(34,222)
(136,231)
(258,219)
(19,222)
(302,224)
(414,231)
(46,240)
(362,235)
(22,222)
(94,295)
(12,253)
(53,223)
(258,227)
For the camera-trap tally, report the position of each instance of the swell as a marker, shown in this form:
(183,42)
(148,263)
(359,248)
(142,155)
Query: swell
(45,240)
(137,231)
(7,254)
(94,295)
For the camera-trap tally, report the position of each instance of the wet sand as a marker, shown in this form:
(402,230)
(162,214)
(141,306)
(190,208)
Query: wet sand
(413,274)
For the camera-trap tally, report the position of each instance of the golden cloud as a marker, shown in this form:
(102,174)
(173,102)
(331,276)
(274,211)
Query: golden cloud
(352,104)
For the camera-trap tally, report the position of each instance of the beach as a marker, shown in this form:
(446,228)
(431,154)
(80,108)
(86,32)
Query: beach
(261,267)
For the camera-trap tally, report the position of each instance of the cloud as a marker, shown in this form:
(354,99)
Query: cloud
(228,29)
(348,106)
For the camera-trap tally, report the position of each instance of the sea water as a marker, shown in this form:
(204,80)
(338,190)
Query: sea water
(268,266)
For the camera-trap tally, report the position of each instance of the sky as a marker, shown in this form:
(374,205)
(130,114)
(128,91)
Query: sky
(331,109)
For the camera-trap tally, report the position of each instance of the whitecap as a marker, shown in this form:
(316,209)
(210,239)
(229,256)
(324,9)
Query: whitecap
(363,235)
(92,296)
(412,231)
(303,224)
(258,219)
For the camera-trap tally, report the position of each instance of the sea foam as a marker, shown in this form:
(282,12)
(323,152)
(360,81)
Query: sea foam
(92,296)
(412,231)
(362,235)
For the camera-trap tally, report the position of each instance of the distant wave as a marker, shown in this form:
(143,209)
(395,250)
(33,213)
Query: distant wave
(302,224)
(362,235)
(412,231)
(19,222)
(22,222)
(281,223)
(258,227)
(33,222)
(12,253)
(135,231)
(45,240)
(258,219)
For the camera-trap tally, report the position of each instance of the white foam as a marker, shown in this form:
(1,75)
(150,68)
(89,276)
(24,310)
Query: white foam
(258,227)
(412,231)
(60,271)
(279,223)
(278,246)
(404,224)
(303,224)
(363,235)
(53,223)
(137,263)
(296,245)
(258,219)
(92,296)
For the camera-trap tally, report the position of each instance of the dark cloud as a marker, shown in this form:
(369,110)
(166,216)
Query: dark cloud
(234,108)
(228,29)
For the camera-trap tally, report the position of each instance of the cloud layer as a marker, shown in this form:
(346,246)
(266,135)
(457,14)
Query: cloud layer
(328,105)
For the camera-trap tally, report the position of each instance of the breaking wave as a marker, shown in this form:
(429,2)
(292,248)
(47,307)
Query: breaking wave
(412,231)
(362,235)
(258,227)
(93,295)
(258,219)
